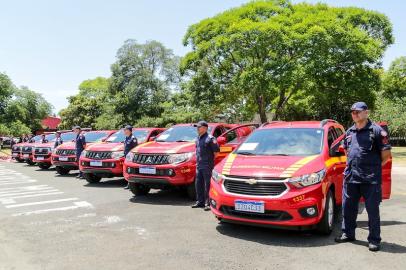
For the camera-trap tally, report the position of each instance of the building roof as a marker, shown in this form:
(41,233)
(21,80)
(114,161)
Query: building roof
(51,122)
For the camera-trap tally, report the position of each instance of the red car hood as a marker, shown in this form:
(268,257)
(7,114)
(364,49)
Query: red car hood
(105,146)
(270,166)
(165,147)
(48,144)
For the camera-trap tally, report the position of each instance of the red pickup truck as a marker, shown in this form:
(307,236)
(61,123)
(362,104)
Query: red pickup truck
(170,160)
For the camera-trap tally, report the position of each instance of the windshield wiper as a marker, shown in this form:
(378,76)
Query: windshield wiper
(245,153)
(182,141)
(279,154)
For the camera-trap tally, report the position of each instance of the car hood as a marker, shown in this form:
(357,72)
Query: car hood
(270,166)
(105,146)
(48,144)
(165,147)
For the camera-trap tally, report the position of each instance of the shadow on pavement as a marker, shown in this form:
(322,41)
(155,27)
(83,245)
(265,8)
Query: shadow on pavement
(116,183)
(174,197)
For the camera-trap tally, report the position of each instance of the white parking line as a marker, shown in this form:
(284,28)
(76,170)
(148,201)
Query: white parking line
(28,196)
(7,195)
(41,202)
(26,188)
(18,182)
(81,204)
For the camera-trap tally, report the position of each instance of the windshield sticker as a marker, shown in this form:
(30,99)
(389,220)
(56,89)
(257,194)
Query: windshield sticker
(163,136)
(248,146)
(318,131)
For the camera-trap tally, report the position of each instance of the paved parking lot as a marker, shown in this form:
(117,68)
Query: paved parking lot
(59,222)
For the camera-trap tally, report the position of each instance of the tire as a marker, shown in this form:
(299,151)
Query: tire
(191,191)
(326,224)
(19,160)
(62,170)
(92,178)
(138,189)
(30,162)
(44,166)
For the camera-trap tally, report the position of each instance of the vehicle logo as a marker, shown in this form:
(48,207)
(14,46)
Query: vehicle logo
(97,156)
(251,181)
(149,160)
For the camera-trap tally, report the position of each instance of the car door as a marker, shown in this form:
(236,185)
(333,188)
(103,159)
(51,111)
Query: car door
(337,160)
(386,171)
(232,138)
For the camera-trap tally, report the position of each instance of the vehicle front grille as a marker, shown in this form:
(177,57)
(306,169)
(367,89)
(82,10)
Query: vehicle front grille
(104,164)
(70,159)
(66,152)
(41,151)
(269,215)
(159,172)
(151,159)
(254,187)
(27,150)
(16,149)
(98,155)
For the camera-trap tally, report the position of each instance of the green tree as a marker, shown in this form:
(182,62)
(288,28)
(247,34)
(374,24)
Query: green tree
(6,90)
(18,128)
(142,79)
(276,58)
(394,80)
(85,107)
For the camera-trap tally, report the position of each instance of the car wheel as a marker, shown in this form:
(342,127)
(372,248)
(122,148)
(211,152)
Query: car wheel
(30,162)
(92,178)
(44,166)
(138,189)
(62,170)
(191,191)
(326,224)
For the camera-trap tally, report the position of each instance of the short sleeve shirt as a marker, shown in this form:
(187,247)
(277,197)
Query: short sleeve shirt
(206,146)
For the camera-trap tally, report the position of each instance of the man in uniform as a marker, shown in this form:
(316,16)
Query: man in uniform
(367,147)
(58,139)
(129,143)
(206,148)
(80,145)
(43,139)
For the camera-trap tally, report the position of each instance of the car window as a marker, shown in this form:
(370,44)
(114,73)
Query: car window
(331,136)
(217,132)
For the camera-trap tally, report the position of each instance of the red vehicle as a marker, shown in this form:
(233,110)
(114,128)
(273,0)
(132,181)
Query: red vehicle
(43,151)
(64,156)
(27,149)
(170,160)
(16,151)
(105,159)
(286,174)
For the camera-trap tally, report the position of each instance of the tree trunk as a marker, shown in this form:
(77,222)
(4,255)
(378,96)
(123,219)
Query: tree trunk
(261,109)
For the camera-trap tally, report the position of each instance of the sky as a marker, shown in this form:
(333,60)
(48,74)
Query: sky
(52,46)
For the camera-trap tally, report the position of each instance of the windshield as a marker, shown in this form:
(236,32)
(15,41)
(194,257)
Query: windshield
(179,134)
(119,136)
(50,137)
(95,136)
(283,142)
(36,138)
(69,136)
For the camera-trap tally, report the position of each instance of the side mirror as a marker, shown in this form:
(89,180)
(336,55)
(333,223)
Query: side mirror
(152,138)
(337,150)
(341,150)
(221,140)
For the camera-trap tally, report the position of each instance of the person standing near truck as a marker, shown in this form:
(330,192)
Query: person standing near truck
(206,148)
(43,139)
(129,143)
(367,147)
(58,139)
(80,145)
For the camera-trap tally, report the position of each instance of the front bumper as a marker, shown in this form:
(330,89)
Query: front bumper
(27,156)
(42,159)
(286,211)
(166,175)
(70,164)
(16,155)
(109,168)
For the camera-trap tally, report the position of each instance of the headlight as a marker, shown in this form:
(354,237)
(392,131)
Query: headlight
(117,155)
(129,156)
(217,176)
(179,158)
(308,179)
(83,154)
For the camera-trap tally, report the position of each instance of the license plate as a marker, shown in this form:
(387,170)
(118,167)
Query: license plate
(26,155)
(147,170)
(63,158)
(15,154)
(96,163)
(249,206)
(40,158)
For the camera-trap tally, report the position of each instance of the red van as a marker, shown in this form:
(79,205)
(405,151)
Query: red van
(64,156)
(170,160)
(42,151)
(105,159)
(285,174)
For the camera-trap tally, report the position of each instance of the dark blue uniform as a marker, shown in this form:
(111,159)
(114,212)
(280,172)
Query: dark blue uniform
(362,177)
(206,147)
(44,141)
(129,143)
(58,141)
(80,144)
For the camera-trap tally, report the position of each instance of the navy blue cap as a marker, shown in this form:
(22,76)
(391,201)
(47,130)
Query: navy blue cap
(129,127)
(76,127)
(359,106)
(201,124)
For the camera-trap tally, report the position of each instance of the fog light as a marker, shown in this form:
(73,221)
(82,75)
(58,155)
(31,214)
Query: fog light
(311,211)
(213,203)
(170,172)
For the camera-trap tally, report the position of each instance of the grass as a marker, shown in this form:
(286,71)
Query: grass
(5,152)
(399,154)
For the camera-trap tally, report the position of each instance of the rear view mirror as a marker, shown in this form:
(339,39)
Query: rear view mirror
(221,140)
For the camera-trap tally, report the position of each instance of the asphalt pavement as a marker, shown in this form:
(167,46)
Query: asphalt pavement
(60,222)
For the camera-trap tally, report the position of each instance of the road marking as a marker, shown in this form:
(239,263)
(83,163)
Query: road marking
(27,192)
(28,196)
(81,204)
(26,188)
(41,202)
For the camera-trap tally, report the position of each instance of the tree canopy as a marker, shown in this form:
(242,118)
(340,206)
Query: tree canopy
(287,60)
